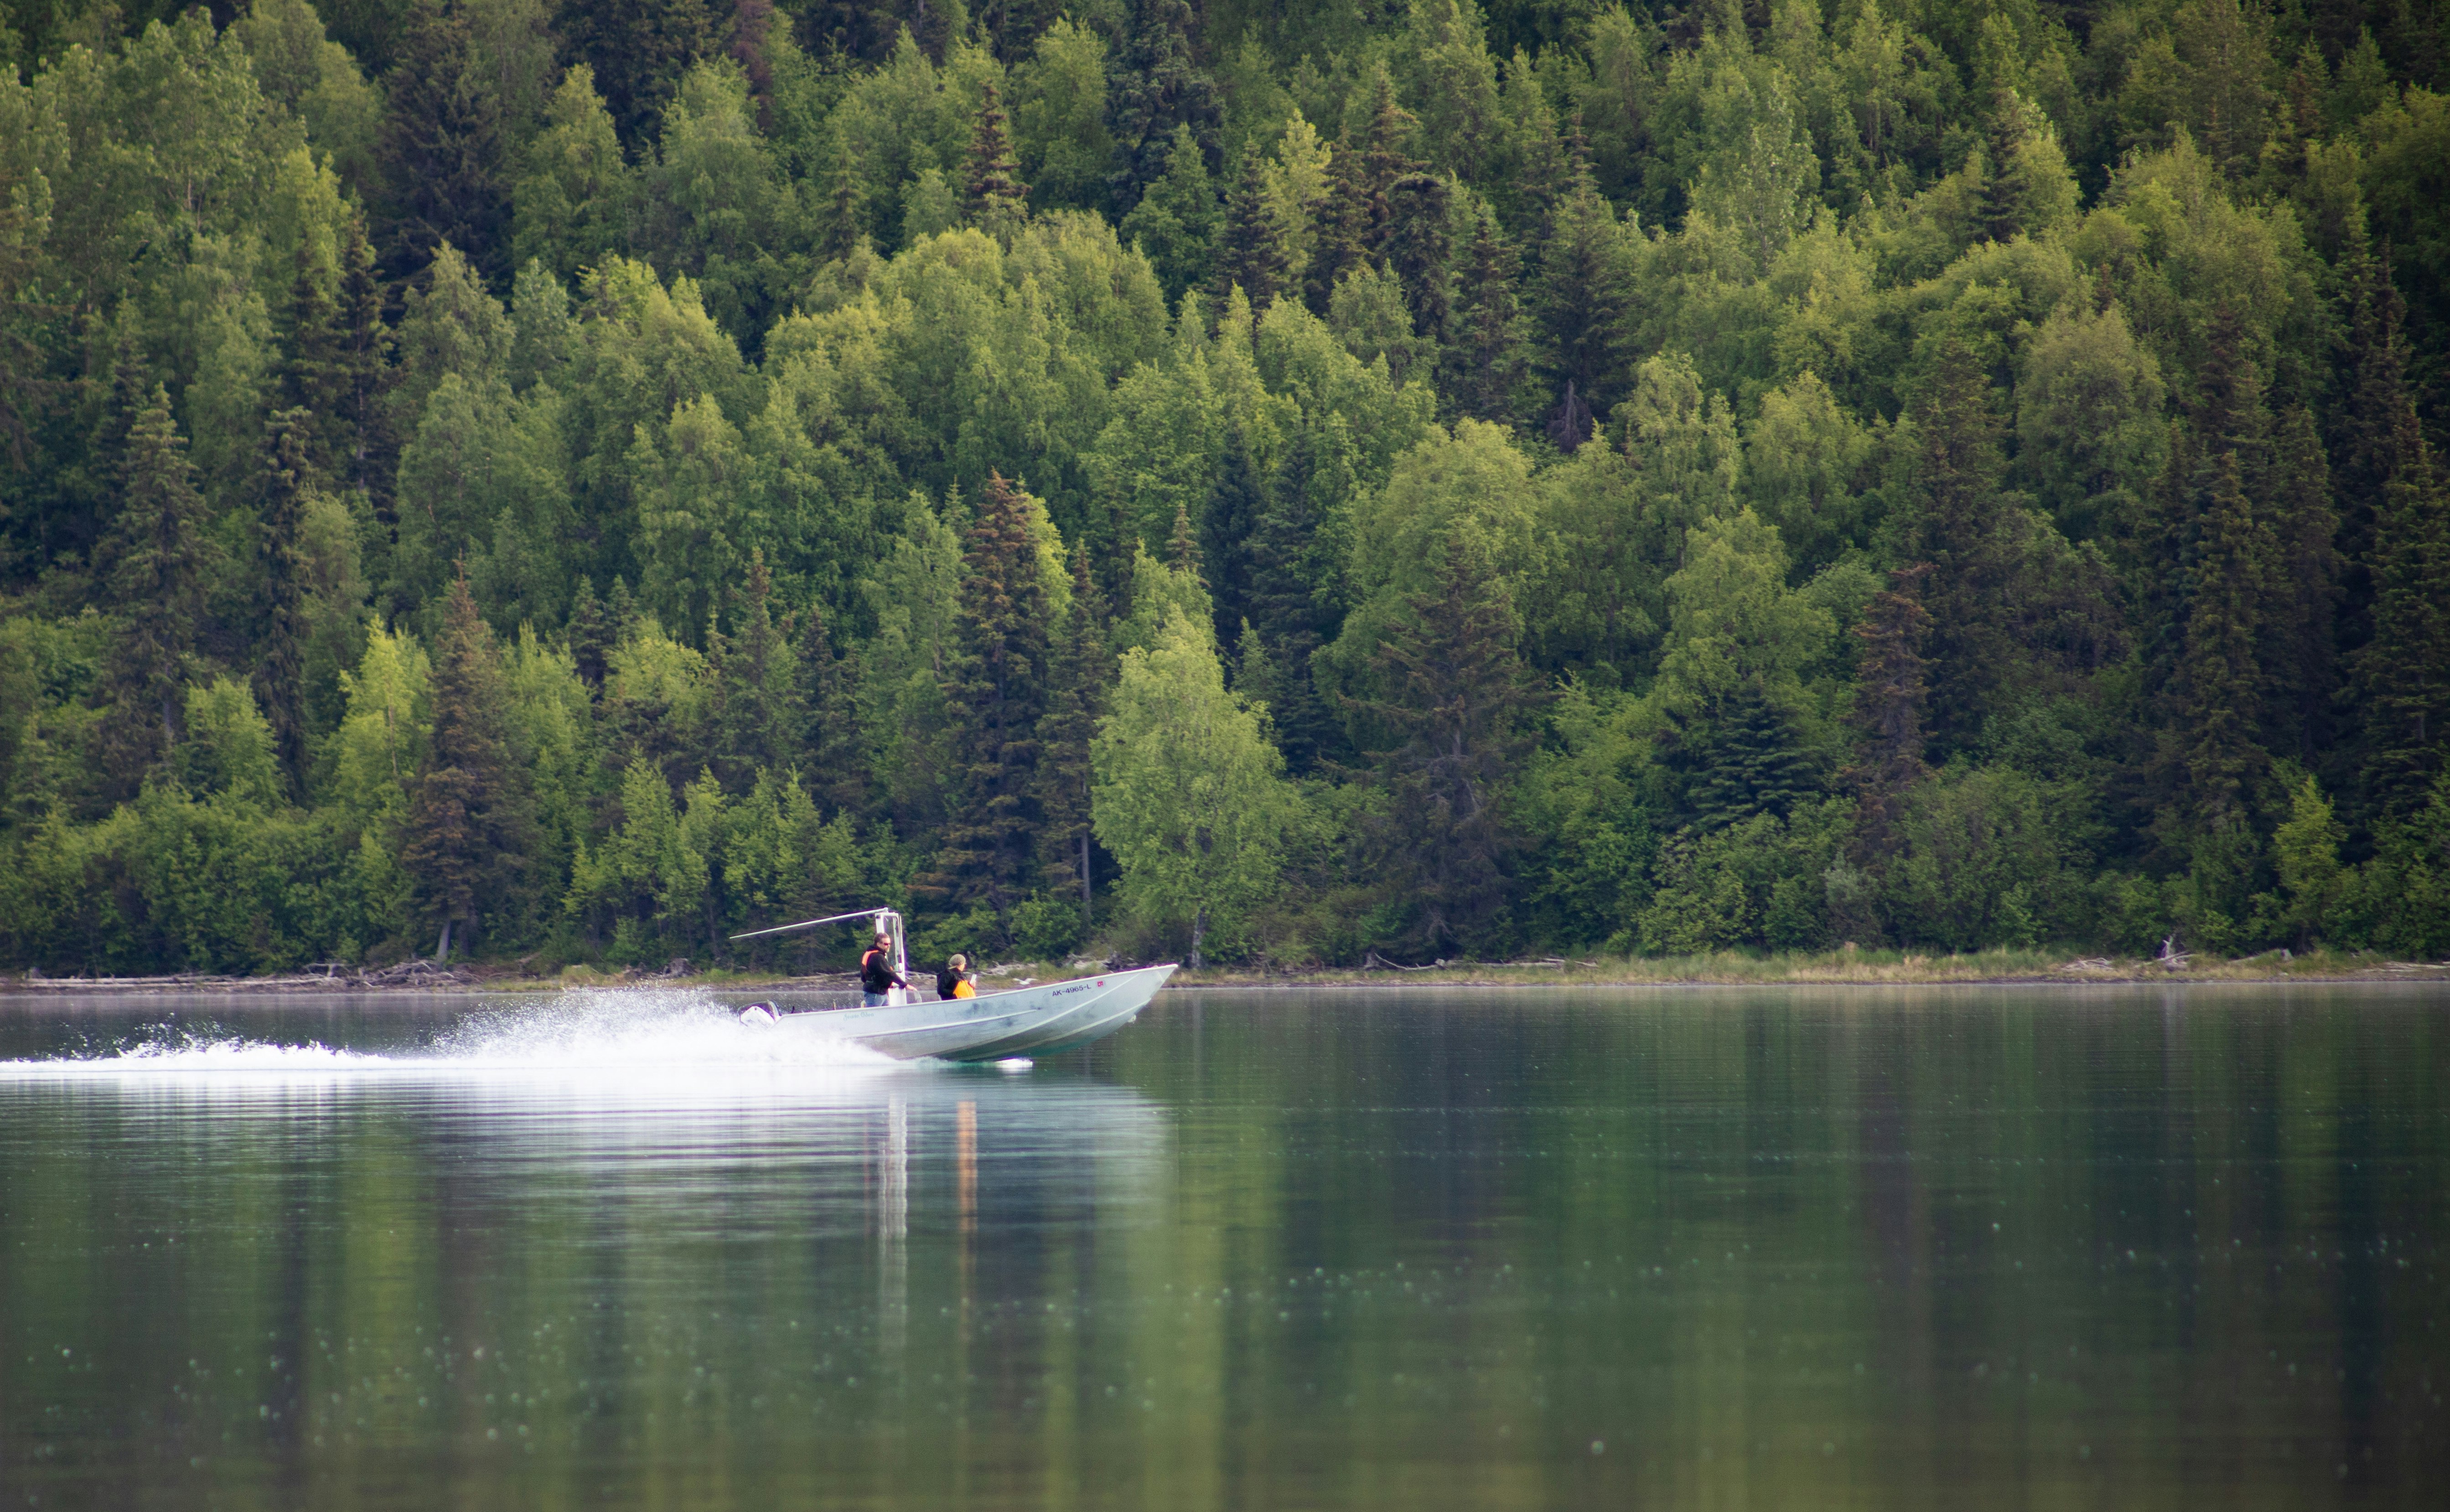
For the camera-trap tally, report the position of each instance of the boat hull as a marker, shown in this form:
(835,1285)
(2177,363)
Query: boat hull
(1023,1021)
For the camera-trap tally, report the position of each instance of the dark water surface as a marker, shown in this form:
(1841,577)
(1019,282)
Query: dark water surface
(1927,1248)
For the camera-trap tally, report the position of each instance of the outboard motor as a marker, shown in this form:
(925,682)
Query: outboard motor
(758,1014)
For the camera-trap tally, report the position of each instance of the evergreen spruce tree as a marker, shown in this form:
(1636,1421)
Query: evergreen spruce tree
(1740,755)
(995,694)
(471,820)
(289,482)
(1157,90)
(1543,168)
(1343,217)
(100,484)
(1485,369)
(2371,437)
(1082,669)
(1226,528)
(1251,255)
(839,772)
(1581,297)
(1383,163)
(1418,248)
(2004,190)
(1182,547)
(758,719)
(621,610)
(1453,693)
(443,148)
(1284,608)
(313,371)
(370,454)
(845,218)
(2218,690)
(2300,625)
(993,196)
(590,636)
(1954,524)
(159,558)
(1889,692)
(2226,563)
(2403,672)
(639,49)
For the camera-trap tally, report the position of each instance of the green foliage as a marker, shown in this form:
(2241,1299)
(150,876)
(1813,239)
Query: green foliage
(1189,795)
(753,557)
(1985,860)
(1758,883)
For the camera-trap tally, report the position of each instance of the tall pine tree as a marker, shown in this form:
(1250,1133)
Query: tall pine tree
(1580,295)
(159,559)
(2227,564)
(314,372)
(1452,693)
(2370,438)
(1343,218)
(639,49)
(471,824)
(758,718)
(289,484)
(1157,88)
(1484,368)
(2218,690)
(1956,526)
(1226,528)
(2403,672)
(1889,691)
(445,149)
(1418,249)
(1081,669)
(995,692)
(372,456)
(837,768)
(993,197)
(1251,255)
(1285,607)
(2300,628)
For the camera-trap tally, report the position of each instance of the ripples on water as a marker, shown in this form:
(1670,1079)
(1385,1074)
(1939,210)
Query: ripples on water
(1399,1250)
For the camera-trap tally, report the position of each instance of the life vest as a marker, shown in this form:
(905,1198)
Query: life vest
(876,970)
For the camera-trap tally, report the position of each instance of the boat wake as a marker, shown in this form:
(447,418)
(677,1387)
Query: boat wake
(675,1035)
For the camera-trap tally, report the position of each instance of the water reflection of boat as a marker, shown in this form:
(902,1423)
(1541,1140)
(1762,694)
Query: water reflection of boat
(1044,1019)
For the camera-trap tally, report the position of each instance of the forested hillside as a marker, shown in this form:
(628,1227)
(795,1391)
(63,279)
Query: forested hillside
(1278,480)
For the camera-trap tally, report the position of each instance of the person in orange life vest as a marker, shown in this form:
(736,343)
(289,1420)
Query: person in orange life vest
(876,974)
(955,979)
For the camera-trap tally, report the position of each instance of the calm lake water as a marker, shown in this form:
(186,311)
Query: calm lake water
(1927,1248)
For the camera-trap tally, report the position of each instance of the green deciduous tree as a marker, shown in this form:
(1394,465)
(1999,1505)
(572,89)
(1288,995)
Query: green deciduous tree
(1189,794)
(1175,221)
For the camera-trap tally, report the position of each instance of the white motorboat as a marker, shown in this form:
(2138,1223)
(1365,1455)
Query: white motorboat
(1043,1019)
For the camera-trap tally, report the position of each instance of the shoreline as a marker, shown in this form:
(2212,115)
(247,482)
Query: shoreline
(1821,969)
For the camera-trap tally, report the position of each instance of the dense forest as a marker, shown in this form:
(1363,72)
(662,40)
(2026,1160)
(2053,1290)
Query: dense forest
(1279,481)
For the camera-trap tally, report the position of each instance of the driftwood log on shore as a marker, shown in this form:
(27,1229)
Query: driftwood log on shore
(321,977)
(410,976)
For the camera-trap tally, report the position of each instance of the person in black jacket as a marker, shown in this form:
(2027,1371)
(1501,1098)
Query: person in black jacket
(876,974)
(954,977)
